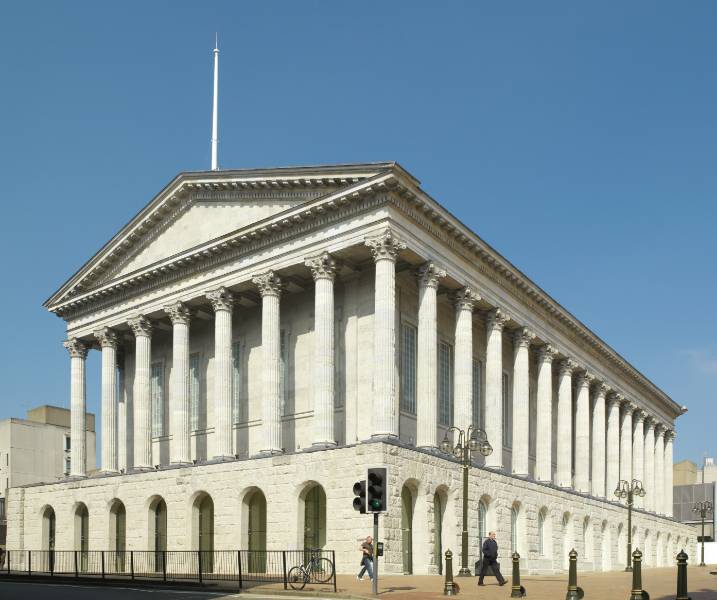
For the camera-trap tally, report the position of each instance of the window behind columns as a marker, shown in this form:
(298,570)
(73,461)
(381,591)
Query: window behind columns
(507,413)
(477,396)
(445,384)
(157,393)
(194,391)
(408,368)
(238,413)
(284,381)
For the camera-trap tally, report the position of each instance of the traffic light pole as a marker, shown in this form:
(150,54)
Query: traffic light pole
(374,582)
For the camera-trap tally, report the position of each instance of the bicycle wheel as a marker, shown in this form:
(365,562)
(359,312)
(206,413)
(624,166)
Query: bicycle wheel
(297,578)
(323,570)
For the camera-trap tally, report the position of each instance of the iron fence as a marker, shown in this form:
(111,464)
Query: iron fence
(240,568)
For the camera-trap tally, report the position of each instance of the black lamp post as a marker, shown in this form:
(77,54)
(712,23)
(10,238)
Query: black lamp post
(628,490)
(470,440)
(703,509)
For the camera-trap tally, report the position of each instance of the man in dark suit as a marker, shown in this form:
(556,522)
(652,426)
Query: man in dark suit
(490,558)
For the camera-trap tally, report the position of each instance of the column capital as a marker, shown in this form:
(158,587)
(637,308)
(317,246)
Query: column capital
(650,423)
(465,299)
(76,348)
(140,326)
(670,435)
(639,416)
(567,366)
(585,379)
(546,353)
(660,429)
(496,319)
(323,266)
(428,275)
(523,337)
(220,299)
(106,337)
(615,399)
(269,283)
(178,313)
(628,406)
(601,389)
(385,246)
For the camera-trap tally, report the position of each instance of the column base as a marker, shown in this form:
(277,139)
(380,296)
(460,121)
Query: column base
(224,458)
(181,463)
(141,469)
(265,453)
(109,471)
(320,445)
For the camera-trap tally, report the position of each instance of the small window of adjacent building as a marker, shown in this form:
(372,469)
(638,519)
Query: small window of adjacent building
(194,390)
(445,384)
(238,414)
(157,395)
(408,368)
(477,396)
(68,443)
(507,413)
(68,465)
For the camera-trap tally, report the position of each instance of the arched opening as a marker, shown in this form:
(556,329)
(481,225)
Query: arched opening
(516,528)
(49,526)
(255,504)
(621,545)
(82,535)
(666,548)
(486,518)
(588,539)
(158,531)
(440,499)
(313,499)
(203,518)
(407,506)
(647,549)
(606,546)
(545,536)
(568,538)
(118,535)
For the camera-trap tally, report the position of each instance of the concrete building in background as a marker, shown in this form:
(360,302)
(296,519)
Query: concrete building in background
(686,472)
(38,449)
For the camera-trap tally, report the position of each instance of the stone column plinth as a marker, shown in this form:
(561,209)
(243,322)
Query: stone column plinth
(599,459)
(582,434)
(222,302)
(649,464)
(108,342)
(612,471)
(495,322)
(626,441)
(521,400)
(323,270)
(564,475)
(385,249)
(179,412)
(544,415)
(78,401)
(141,392)
(464,301)
(638,452)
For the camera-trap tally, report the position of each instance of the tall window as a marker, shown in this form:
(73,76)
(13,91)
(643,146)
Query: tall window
(541,533)
(445,384)
(194,390)
(284,350)
(237,409)
(482,520)
(408,368)
(507,413)
(157,392)
(477,379)
(514,529)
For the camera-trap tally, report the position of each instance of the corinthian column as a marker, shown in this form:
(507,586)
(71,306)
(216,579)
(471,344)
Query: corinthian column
(626,442)
(582,434)
(521,393)
(270,288)
(650,464)
(668,481)
(323,270)
(222,302)
(495,322)
(426,374)
(464,300)
(638,451)
(564,474)
(598,441)
(141,394)
(385,248)
(544,415)
(613,442)
(108,342)
(179,425)
(78,354)
(660,470)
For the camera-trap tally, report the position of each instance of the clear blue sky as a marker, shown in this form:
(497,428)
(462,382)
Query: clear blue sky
(579,140)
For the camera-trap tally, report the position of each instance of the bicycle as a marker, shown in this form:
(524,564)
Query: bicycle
(316,569)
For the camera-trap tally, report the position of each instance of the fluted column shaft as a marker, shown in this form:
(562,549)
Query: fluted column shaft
(141,392)
(638,452)
(598,442)
(668,481)
(385,248)
(582,434)
(108,343)
(564,476)
(323,270)
(612,471)
(179,413)
(270,287)
(521,394)
(463,365)
(78,402)
(544,416)
(222,302)
(660,471)
(494,386)
(650,465)
(427,357)
(626,442)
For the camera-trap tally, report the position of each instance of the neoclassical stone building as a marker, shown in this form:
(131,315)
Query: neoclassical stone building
(268,334)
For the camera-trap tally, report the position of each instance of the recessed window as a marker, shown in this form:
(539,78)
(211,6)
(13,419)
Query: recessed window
(194,390)
(157,395)
(445,384)
(68,443)
(507,412)
(408,368)
(477,395)
(238,415)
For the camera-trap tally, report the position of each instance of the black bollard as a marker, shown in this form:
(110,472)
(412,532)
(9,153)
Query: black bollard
(574,592)
(517,590)
(637,592)
(682,577)
(448,588)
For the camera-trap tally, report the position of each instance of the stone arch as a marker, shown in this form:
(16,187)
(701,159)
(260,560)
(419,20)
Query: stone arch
(254,528)
(311,515)
(545,533)
(81,518)
(588,540)
(157,530)
(647,549)
(440,505)
(486,517)
(409,494)
(517,528)
(606,546)
(117,534)
(49,531)
(666,551)
(202,509)
(622,544)
(568,538)
(636,541)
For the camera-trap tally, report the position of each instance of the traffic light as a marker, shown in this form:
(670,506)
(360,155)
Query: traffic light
(376,490)
(360,499)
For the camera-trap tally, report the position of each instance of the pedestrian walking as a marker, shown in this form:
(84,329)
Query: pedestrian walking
(490,559)
(366,559)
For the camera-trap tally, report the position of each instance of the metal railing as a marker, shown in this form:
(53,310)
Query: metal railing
(240,568)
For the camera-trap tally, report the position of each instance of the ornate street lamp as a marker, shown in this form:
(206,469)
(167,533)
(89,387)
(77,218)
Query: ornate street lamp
(471,440)
(628,490)
(703,509)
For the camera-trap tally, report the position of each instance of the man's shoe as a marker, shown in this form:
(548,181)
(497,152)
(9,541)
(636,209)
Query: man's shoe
(502,583)
(483,584)
(359,578)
